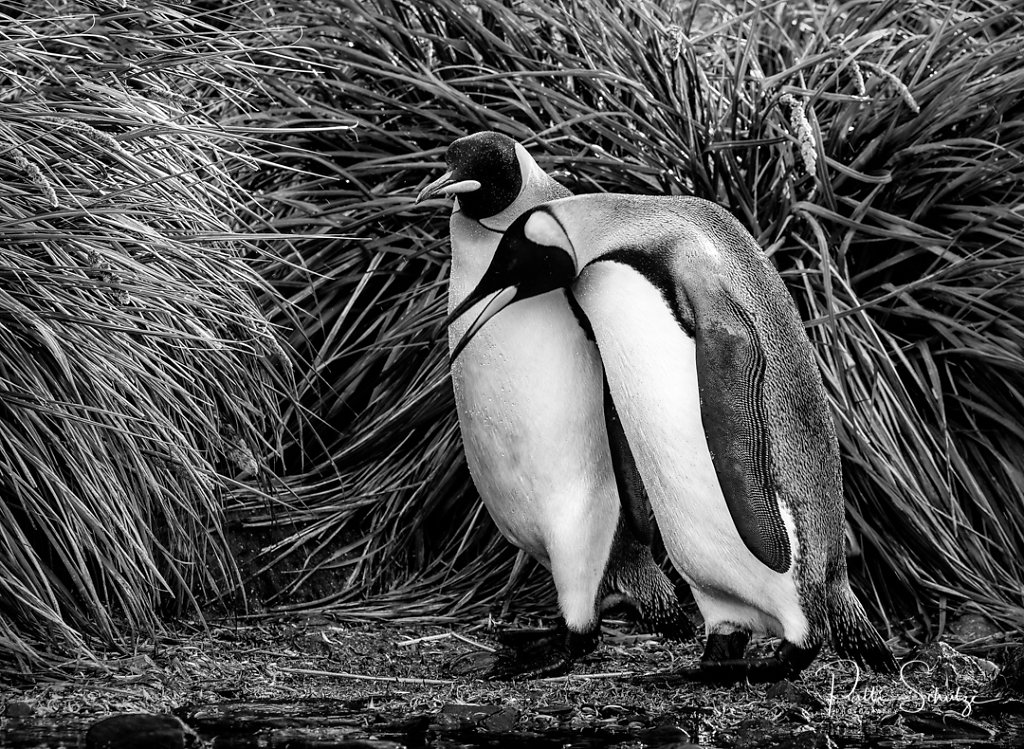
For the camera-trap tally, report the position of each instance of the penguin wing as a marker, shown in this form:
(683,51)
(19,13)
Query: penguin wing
(730,376)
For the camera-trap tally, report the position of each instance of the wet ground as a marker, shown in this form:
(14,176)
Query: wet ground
(330,685)
(335,723)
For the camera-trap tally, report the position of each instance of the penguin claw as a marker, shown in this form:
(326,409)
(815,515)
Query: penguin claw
(507,669)
(506,664)
(468,664)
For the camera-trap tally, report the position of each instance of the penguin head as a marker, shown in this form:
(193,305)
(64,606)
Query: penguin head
(484,171)
(534,256)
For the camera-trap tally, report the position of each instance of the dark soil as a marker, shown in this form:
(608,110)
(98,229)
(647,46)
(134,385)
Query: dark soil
(393,683)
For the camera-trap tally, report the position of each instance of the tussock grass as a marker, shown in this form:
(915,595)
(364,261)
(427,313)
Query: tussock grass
(139,379)
(873,149)
(155,158)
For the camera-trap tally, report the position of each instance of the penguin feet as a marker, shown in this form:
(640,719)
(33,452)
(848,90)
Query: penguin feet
(725,646)
(787,662)
(720,648)
(530,654)
(723,664)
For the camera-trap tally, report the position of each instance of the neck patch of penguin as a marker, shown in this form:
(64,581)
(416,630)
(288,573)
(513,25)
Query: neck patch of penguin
(531,267)
(649,266)
(490,159)
(521,266)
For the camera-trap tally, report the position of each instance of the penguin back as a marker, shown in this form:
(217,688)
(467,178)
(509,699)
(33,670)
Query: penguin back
(749,321)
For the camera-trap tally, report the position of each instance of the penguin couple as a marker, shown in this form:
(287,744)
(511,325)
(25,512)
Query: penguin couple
(646,355)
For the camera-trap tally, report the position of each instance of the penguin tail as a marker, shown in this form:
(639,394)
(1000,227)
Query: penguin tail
(661,606)
(853,635)
(637,581)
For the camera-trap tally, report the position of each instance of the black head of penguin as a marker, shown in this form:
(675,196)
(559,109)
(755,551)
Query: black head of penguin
(489,159)
(533,257)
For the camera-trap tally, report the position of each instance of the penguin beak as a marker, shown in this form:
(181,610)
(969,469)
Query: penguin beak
(447,184)
(498,302)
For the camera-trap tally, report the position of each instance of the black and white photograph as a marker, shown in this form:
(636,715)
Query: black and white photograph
(497,374)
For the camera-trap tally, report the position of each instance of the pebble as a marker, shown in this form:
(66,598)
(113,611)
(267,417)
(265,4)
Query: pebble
(19,709)
(973,627)
(134,730)
(488,717)
(947,723)
(959,668)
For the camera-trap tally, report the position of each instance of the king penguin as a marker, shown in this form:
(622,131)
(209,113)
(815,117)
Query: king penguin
(543,443)
(722,405)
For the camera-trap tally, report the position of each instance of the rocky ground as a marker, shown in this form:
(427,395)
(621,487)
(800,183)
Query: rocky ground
(387,685)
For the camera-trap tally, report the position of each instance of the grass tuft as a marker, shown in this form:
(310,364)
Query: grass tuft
(139,378)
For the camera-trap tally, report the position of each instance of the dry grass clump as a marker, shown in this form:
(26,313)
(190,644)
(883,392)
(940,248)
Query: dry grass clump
(138,375)
(875,151)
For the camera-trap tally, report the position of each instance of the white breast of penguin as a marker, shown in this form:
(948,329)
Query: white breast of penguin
(528,391)
(652,373)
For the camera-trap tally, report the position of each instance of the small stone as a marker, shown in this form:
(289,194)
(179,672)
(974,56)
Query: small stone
(489,717)
(664,736)
(946,723)
(501,721)
(973,627)
(958,668)
(19,709)
(133,730)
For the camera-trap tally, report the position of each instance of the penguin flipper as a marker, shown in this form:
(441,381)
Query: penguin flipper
(730,375)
